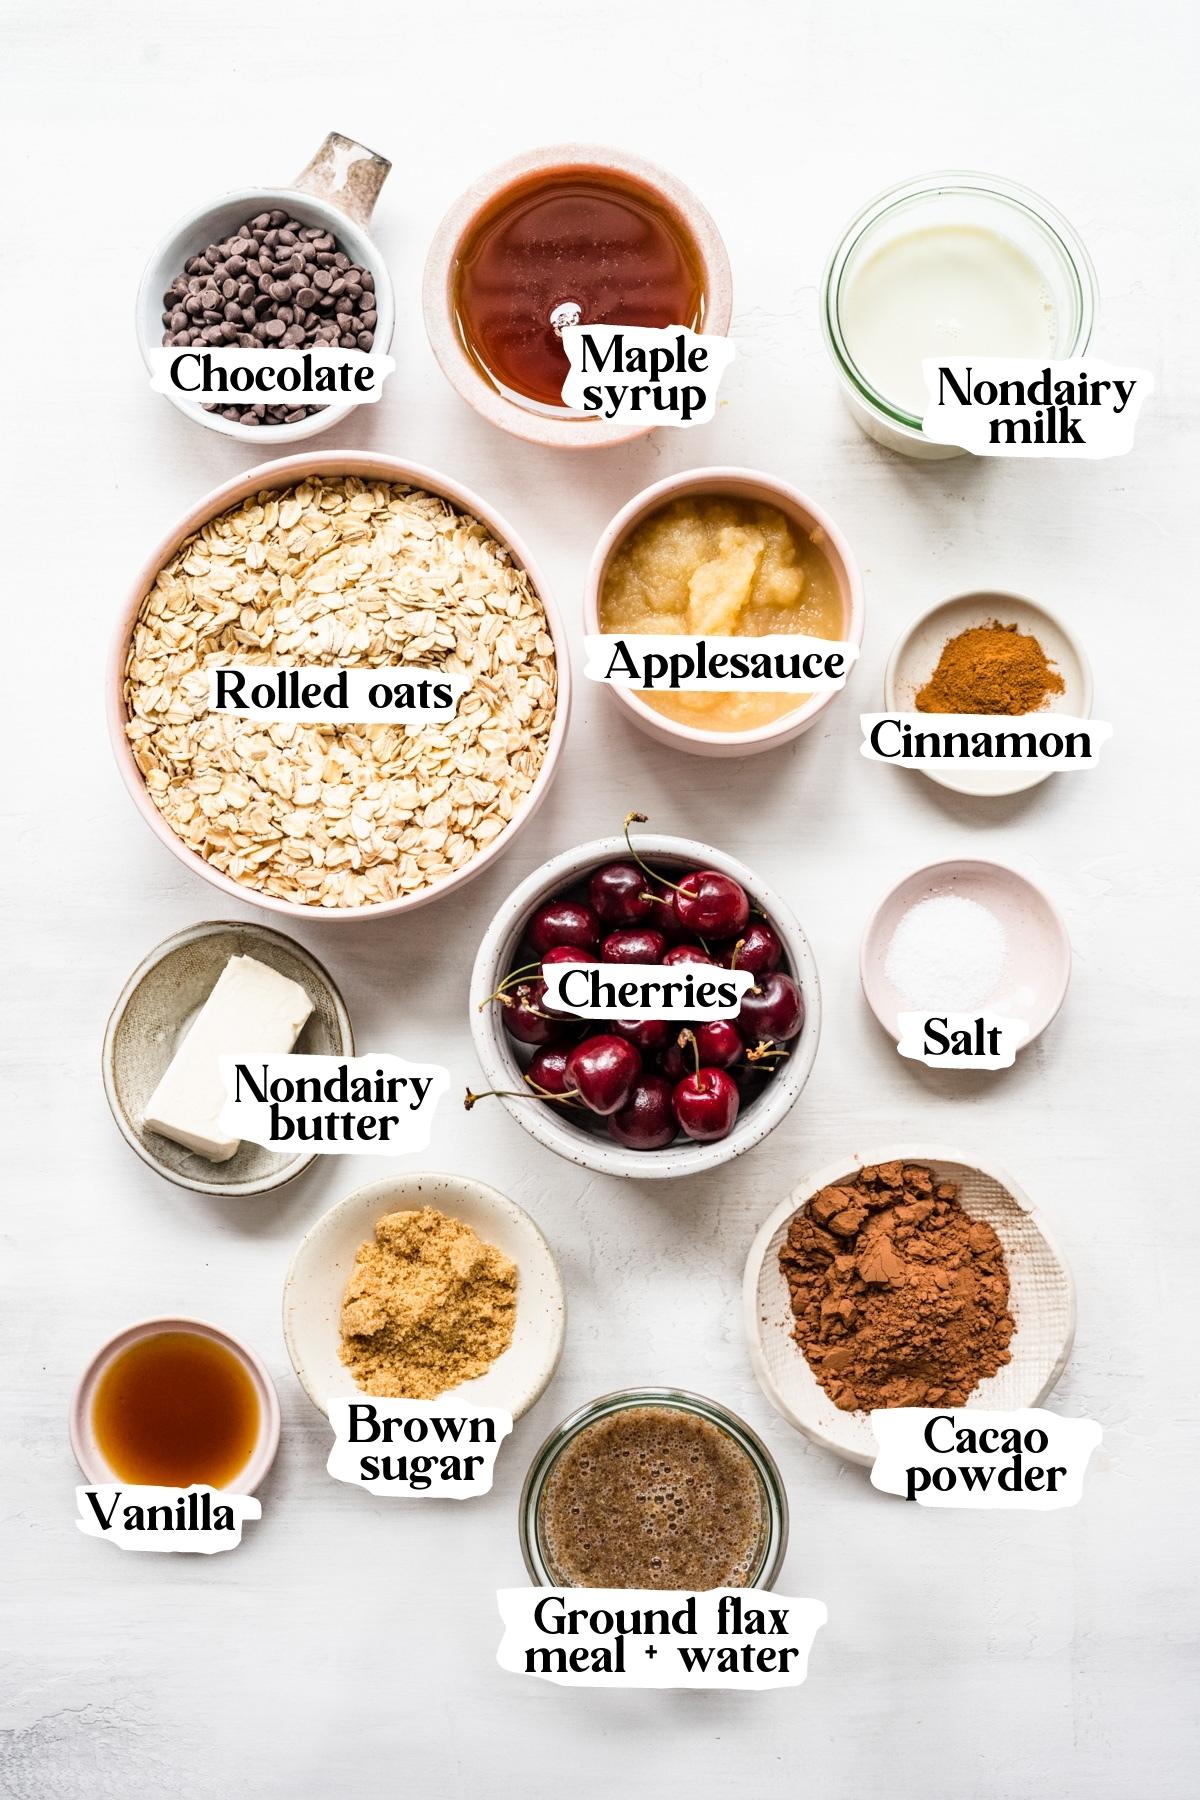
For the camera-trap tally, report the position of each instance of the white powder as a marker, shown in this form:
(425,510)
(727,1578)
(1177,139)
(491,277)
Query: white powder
(947,954)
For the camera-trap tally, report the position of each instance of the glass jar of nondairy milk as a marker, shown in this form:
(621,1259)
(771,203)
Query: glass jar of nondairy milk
(948,265)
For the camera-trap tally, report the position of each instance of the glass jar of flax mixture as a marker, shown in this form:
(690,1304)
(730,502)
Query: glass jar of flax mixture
(653,1488)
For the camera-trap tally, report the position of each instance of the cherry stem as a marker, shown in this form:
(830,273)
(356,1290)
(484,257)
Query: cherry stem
(512,979)
(532,1092)
(683,1040)
(737,951)
(763,1050)
(639,818)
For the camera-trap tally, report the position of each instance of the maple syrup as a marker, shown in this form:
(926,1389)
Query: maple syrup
(580,247)
(176,1409)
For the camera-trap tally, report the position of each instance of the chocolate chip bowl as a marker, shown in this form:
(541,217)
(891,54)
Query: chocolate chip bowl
(607,1094)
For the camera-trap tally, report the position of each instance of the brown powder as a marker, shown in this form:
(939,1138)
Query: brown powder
(428,1305)
(900,1297)
(990,669)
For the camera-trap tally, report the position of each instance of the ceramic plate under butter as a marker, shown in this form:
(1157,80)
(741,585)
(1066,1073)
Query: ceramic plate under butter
(915,657)
(155,1009)
(1041,1300)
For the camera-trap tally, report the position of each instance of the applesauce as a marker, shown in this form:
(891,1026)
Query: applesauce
(720,566)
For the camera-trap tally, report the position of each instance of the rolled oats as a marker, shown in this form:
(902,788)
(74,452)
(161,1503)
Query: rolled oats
(360,573)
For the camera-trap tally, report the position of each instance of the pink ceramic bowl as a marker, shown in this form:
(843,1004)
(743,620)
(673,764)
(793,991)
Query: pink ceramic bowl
(1037,971)
(438,288)
(90,1457)
(744,484)
(282,474)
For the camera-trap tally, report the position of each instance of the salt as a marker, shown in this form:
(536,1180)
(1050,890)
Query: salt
(947,954)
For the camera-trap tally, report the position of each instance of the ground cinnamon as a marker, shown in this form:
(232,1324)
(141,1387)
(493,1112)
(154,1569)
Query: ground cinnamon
(990,668)
(900,1297)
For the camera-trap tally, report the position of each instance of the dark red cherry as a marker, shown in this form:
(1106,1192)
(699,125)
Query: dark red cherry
(673,1063)
(757,948)
(688,953)
(667,918)
(563,922)
(751,1079)
(647,1120)
(711,904)
(719,1043)
(706,1104)
(773,1009)
(524,1013)
(636,944)
(602,1071)
(548,1070)
(650,1035)
(560,953)
(619,894)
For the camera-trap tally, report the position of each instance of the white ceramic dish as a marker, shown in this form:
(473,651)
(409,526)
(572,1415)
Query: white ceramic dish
(915,656)
(587,1148)
(738,484)
(324,1258)
(1042,1301)
(155,1010)
(338,190)
(88,1453)
(281,474)
(1037,972)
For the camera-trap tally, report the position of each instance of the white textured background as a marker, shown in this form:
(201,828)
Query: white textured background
(348,1645)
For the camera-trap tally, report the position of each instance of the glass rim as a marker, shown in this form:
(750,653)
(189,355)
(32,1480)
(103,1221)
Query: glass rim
(775,1536)
(1052,223)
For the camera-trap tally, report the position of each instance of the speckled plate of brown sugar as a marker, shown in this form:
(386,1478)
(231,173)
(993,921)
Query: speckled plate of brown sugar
(835,1328)
(424,1285)
(992,653)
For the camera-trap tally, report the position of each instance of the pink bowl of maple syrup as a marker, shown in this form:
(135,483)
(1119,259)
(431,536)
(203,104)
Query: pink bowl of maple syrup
(565,235)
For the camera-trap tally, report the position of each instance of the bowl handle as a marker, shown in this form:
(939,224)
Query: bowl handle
(346,175)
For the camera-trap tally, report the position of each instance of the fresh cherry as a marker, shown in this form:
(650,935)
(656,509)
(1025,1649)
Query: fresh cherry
(602,1071)
(560,953)
(547,1071)
(525,1017)
(636,944)
(647,1120)
(757,948)
(719,1043)
(563,922)
(687,953)
(619,895)
(650,1035)
(711,904)
(706,1104)
(772,1009)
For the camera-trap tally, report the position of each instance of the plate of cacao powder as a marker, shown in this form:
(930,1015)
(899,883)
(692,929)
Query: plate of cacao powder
(914,1278)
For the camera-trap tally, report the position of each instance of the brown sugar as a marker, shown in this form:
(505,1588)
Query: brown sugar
(900,1298)
(653,1497)
(990,668)
(427,1306)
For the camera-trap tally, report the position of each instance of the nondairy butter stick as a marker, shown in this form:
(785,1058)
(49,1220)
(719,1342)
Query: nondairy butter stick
(900,1297)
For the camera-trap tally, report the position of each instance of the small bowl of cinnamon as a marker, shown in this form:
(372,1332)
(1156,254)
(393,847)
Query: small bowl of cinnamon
(993,654)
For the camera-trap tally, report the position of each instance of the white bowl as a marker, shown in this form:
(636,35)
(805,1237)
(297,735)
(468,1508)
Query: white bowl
(1037,970)
(324,1258)
(915,656)
(1041,1300)
(337,190)
(544,1122)
(736,484)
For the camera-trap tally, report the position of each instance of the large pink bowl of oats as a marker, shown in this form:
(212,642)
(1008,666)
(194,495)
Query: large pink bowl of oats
(330,561)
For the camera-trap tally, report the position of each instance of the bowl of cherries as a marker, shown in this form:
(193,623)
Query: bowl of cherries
(657,1097)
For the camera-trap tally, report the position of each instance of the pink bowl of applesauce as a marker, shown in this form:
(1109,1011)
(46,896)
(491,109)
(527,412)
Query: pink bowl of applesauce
(322,562)
(732,553)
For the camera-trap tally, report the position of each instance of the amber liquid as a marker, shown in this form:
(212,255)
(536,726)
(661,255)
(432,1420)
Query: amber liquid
(608,247)
(176,1409)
